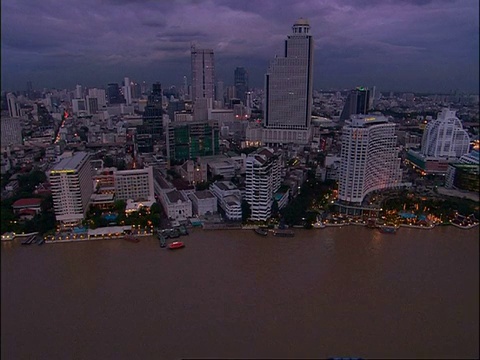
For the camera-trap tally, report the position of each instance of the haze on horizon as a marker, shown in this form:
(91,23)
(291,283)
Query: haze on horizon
(398,45)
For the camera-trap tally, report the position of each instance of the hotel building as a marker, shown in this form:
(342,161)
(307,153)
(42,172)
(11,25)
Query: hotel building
(134,184)
(369,158)
(71,184)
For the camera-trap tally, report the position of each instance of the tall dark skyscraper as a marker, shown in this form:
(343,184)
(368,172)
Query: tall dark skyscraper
(357,103)
(289,88)
(155,97)
(114,95)
(241,83)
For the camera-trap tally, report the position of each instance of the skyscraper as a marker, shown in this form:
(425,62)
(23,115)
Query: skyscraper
(357,102)
(13,106)
(203,73)
(114,95)
(241,83)
(369,158)
(288,89)
(127,91)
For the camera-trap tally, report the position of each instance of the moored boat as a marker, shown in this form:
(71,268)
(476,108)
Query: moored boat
(387,229)
(132,238)
(176,245)
(261,231)
(163,241)
(284,233)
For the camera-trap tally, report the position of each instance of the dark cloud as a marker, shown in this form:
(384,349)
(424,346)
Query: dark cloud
(395,44)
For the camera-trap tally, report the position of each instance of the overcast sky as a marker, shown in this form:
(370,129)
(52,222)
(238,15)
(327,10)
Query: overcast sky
(404,45)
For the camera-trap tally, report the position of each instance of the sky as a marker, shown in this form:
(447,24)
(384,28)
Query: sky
(395,45)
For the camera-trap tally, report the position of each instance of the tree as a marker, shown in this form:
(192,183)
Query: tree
(275,208)
(246,210)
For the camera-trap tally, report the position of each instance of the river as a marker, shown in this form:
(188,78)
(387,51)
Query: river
(334,292)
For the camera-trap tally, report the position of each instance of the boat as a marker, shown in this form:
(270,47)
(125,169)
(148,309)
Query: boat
(261,231)
(319,225)
(284,233)
(132,238)
(386,229)
(176,245)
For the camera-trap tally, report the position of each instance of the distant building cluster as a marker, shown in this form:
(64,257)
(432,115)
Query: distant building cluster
(213,148)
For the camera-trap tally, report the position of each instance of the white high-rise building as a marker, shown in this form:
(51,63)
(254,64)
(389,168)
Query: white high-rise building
(71,182)
(78,92)
(127,91)
(263,179)
(289,89)
(134,184)
(13,106)
(203,73)
(369,158)
(445,137)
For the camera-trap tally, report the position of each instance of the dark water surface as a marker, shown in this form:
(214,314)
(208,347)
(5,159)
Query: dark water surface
(350,292)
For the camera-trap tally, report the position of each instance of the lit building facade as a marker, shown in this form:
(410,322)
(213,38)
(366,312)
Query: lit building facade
(288,89)
(369,158)
(134,184)
(445,137)
(71,185)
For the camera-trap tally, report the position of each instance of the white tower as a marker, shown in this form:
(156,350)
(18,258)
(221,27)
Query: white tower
(445,137)
(127,91)
(203,73)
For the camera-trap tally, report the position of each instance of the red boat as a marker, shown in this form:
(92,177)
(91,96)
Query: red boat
(176,245)
(132,238)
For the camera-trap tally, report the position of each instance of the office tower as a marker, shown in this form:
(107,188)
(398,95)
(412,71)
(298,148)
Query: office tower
(220,92)
(78,92)
(11,131)
(153,121)
(136,90)
(185,89)
(191,140)
(134,184)
(78,106)
(289,89)
(71,182)
(263,179)
(155,97)
(127,91)
(369,158)
(99,94)
(173,107)
(13,106)
(203,73)
(445,137)
(464,173)
(241,83)
(114,95)
(357,102)
(29,90)
(92,105)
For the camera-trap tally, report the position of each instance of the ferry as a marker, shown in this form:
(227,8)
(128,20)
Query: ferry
(386,229)
(319,225)
(176,245)
(284,233)
(261,231)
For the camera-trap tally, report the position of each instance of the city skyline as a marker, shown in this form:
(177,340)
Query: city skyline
(419,46)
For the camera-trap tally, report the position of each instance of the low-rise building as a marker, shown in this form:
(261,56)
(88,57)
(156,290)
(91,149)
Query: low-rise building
(229,198)
(203,202)
(176,205)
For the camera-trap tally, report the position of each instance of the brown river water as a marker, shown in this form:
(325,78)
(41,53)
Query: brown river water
(335,292)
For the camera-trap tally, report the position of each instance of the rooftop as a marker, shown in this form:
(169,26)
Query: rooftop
(204,194)
(27,202)
(71,163)
(175,196)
